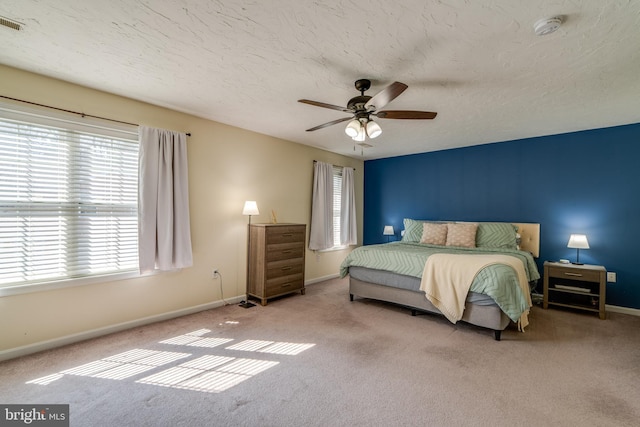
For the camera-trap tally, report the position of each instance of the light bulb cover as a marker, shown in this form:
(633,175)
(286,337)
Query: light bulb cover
(373,129)
(353,128)
(361,136)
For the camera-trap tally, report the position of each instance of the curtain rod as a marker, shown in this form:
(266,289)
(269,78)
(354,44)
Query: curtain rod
(73,112)
(340,166)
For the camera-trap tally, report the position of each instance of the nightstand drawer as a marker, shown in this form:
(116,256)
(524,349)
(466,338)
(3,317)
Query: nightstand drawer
(574,274)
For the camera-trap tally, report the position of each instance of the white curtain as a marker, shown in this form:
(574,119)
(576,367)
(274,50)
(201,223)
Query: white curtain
(164,234)
(348,228)
(321,230)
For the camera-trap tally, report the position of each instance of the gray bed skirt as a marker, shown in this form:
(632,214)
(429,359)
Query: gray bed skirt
(479,314)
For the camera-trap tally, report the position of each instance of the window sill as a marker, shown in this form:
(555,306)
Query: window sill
(61,284)
(335,248)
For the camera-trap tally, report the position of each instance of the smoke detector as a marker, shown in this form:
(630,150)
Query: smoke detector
(547,25)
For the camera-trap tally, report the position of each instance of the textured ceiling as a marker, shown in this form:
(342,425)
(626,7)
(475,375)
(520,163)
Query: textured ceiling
(246,63)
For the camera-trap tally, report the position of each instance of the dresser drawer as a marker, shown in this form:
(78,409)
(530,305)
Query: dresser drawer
(280,251)
(284,267)
(285,234)
(566,273)
(284,284)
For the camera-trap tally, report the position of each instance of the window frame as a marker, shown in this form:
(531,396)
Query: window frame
(67,122)
(337,207)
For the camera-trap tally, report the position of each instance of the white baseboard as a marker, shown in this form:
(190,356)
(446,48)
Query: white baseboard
(321,279)
(94,333)
(623,310)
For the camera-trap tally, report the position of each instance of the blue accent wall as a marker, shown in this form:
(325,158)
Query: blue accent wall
(582,182)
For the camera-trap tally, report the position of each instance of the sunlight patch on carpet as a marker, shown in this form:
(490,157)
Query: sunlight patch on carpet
(181,340)
(127,364)
(210,373)
(209,342)
(250,345)
(289,348)
(214,382)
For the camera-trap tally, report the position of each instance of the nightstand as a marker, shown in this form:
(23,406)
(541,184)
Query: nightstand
(581,287)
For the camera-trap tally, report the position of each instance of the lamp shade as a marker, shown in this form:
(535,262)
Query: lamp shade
(353,128)
(578,241)
(361,136)
(250,208)
(388,230)
(373,129)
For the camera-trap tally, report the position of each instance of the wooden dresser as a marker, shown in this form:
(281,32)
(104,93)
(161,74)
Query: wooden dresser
(276,260)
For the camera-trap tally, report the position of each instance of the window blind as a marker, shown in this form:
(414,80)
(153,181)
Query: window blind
(68,198)
(337,204)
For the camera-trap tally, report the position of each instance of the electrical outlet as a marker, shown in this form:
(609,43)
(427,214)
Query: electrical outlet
(216,273)
(611,277)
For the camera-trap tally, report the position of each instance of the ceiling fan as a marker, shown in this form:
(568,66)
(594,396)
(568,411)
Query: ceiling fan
(363,107)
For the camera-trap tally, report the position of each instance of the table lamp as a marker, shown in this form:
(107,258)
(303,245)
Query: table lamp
(577,242)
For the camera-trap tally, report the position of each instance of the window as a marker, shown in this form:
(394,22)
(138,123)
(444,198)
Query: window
(337,202)
(68,198)
(333,214)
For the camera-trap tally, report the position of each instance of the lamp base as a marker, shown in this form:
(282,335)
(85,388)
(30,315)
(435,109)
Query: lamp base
(246,304)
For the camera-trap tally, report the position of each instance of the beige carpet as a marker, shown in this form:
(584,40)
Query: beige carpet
(320,360)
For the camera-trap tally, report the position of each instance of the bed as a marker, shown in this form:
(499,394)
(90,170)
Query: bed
(424,268)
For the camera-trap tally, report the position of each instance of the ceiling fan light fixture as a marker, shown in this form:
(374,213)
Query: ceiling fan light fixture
(361,136)
(373,129)
(353,128)
(362,107)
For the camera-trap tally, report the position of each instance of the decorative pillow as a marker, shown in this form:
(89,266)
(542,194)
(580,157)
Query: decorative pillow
(462,234)
(497,235)
(412,230)
(434,234)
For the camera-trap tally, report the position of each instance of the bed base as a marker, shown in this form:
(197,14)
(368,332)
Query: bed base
(486,316)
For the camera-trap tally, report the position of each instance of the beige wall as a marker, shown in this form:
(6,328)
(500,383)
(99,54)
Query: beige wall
(227,166)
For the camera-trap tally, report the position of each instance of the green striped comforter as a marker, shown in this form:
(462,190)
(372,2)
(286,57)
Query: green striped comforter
(499,281)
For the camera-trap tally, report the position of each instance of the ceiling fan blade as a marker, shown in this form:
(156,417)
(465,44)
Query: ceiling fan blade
(334,122)
(323,105)
(405,114)
(386,95)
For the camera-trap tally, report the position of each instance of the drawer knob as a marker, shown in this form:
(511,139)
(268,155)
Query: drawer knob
(287,234)
(573,274)
(286,268)
(288,251)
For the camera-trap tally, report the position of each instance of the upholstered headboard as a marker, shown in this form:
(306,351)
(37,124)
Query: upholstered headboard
(529,237)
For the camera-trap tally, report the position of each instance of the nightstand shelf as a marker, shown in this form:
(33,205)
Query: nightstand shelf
(581,287)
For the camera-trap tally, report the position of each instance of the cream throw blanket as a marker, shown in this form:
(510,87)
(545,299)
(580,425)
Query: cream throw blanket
(446,280)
